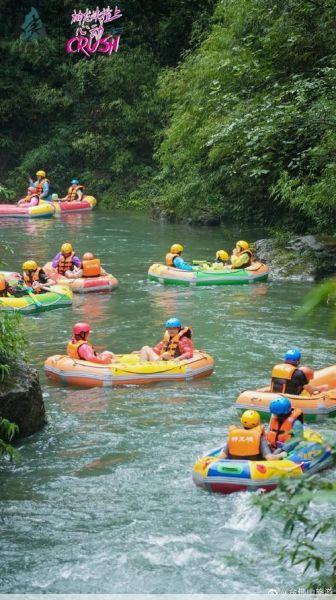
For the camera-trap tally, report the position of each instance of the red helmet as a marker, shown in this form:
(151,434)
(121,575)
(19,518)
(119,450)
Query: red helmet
(81,328)
(309,373)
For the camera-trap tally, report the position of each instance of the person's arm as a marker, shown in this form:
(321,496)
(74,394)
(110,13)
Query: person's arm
(158,348)
(186,347)
(55,260)
(266,451)
(45,190)
(225,451)
(86,352)
(180,264)
(77,262)
(79,195)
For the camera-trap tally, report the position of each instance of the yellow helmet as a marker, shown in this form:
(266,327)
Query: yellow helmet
(66,248)
(176,248)
(3,283)
(222,255)
(29,265)
(250,419)
(40,173)
(244,245)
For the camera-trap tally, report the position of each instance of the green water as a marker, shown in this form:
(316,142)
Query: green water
(102,500)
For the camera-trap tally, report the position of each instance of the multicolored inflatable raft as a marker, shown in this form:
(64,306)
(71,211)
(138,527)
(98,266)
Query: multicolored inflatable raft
(315,407)
(225,476)
(42,210)
(59,297)
(206,276)
(85,205)
(127,371)
(83,285)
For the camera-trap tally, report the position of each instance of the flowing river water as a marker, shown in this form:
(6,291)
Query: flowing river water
(102,499)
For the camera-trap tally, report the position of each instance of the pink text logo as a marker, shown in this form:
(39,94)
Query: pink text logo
(90,36)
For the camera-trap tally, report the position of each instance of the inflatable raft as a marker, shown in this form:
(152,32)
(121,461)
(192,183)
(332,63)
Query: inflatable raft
(59,297)
(128,371)
(83,285)
(85,205)
(44,209)
(225,476)
(208,276)
(315,407)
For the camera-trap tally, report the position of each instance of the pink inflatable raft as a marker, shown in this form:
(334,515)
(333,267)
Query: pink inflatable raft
(42,210)
(83,285)
(85,205)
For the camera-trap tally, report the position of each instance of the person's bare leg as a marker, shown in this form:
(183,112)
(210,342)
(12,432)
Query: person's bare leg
(147,354)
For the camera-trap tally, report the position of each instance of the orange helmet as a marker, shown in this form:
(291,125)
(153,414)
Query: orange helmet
(3,284)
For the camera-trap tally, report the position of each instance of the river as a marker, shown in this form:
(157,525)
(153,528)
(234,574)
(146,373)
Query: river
(102,499)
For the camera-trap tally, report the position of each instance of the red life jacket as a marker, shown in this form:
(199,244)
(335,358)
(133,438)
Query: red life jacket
(282,432)
(65,263)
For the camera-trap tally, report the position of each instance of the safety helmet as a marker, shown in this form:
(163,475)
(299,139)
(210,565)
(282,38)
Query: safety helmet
(88,256)
(173,323)
(250,418)
(81,328)
(309,373)
(54,197)
(32,190)
(176,248)
(280,406)
(40,173)
(29,265)
(66,248)
(293,355)
(243,245)
(222,255)
(3,283)
(74,181)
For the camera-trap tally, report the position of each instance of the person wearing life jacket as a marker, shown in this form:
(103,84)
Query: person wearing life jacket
(91,266)
(81,349)
(175,345)
(32,198)
(222,257)
(286,424)
(7,291)
(290,377)
(65,262)
(249,441)
(34,277)
(241,255)
(174,258)
(75,192)
(41,185)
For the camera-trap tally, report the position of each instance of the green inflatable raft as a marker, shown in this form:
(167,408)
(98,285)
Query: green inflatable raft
(205,275)
(58,297)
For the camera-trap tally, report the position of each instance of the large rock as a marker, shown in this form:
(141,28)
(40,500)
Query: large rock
(21,400)
(306,258)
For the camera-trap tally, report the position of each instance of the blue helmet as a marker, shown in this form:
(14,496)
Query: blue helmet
(173,323)
(280,406)
(74,181)
(293,355)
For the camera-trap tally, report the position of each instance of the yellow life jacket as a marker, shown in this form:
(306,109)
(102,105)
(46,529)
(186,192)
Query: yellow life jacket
(72,192)
(171,345)
(245,443)
(170,259)
(74,345)
(91,268)
(248,251)
(281,377)
(65,263)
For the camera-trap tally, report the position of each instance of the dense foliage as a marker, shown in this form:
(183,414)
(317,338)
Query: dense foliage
(209,110)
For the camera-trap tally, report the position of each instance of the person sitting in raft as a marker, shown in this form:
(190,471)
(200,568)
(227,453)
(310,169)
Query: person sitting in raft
(80,348)
(91,267)
(65,262)
(75,192)
(34,277)
(175,345)
(32,198)
(291,378)
(249,442)
(241,255)
(174,258)
(41,185)
(222,257)
(6,290)
(285,428)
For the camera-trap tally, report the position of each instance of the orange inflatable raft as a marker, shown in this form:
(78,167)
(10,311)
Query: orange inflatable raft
(83,285)
(315,407)
(127,371)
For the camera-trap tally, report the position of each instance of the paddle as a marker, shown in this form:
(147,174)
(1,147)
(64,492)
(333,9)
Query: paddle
(33,297)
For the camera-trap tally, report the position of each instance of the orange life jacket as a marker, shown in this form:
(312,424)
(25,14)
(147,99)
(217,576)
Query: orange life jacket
(74,345)
(65,263)
(39,186)
(91,268)
(170,259)
(281,377)
(72,192)
(171,345)
(245,443)
(30,276)
(282,432)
